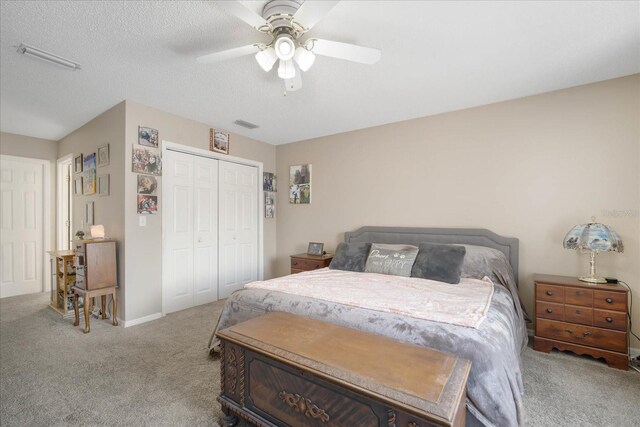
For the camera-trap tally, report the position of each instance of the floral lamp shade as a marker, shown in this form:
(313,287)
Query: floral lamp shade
(596,238)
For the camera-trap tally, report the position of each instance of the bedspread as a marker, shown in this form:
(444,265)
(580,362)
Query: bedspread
(463,304)
(494,389)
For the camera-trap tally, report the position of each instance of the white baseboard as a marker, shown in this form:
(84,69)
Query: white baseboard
(140,320)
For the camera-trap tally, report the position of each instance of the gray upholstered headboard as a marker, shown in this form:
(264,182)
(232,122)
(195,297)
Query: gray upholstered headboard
(461,236)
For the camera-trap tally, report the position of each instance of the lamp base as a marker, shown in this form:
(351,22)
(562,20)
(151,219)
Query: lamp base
(592,279)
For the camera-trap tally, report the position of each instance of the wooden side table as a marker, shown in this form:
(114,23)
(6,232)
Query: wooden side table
(87,295)
(581,317)
(306,262)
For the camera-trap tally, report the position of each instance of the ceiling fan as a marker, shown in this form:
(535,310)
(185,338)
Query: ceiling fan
(286,21)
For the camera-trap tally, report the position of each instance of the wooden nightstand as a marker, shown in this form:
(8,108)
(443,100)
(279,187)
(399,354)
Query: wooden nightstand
(581,317)
(305,262)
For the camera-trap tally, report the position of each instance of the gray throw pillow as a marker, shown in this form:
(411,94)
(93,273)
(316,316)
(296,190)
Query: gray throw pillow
(439,262)
(391,259)
(350,257)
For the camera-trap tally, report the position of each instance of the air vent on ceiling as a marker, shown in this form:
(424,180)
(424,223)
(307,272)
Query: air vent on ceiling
(245,124)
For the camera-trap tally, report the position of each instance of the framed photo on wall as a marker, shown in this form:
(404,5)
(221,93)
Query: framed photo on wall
(77,186)
(148,136)
(219,141)
(103,185)
(77,164)
(88,213)
(300,184)
(103,156)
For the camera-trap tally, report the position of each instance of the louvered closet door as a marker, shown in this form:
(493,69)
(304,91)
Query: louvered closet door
(238,231)
(21,207)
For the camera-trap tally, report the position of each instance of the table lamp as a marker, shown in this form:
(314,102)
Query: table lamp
(596,238)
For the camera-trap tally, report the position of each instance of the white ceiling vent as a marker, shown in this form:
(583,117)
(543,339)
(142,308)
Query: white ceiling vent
(245,124)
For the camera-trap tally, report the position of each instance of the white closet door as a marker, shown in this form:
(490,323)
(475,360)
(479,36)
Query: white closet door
(21,245)
(178,189)
(238,232)
(206,230)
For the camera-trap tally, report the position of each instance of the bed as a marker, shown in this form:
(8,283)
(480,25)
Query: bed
(493,345)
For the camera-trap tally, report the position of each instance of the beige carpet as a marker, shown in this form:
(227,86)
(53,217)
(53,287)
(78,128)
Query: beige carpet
(159,373)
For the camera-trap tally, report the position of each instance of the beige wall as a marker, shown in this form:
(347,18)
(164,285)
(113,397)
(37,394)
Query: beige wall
(35,148)
(143,244)
(529,168)
(107,128)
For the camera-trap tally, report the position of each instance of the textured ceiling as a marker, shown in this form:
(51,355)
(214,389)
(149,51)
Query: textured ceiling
(436,57)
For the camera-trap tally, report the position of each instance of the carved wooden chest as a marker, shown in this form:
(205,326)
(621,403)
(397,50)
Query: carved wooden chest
(286,370)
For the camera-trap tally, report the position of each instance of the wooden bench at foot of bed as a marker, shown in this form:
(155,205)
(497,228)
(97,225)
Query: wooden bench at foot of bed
(281,369)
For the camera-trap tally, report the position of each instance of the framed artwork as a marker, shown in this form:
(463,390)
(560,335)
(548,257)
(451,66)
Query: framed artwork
(269,181)
(315,248)
(89,174)
(148,136)
(77,163)
(103,185)
(147,184)
(219,141)
(88,213)
(269,211)
(145,160)
(147,204)
(77,186)
(103,155)
(300,184)
(269,198)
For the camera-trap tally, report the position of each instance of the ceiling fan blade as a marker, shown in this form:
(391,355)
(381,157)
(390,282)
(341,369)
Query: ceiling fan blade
(347,51)
(242,12)
(311,12)
(291,85)
(228,54)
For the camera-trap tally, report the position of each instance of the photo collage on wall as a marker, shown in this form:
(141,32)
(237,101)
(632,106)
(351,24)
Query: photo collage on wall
(269,186)
(87,182)
(147,163)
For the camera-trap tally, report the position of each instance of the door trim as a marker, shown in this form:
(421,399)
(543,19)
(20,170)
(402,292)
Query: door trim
(59,186)
(172,146)
(46,217)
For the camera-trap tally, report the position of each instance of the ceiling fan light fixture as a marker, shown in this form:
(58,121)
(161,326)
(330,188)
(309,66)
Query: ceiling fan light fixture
(285,47)
(266,58)
(286,69)
(304,58)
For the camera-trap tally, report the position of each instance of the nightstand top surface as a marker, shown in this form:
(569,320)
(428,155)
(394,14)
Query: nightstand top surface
(315,257)
(573,281)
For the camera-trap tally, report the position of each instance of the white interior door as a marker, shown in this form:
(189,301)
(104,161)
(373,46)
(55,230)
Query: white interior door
(22,223)
(206,230)
(238,231)
(178,245)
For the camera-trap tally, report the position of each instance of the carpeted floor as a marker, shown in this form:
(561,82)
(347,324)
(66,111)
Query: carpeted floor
(159,373)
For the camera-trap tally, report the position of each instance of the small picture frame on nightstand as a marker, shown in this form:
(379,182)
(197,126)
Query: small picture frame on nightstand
(316,249)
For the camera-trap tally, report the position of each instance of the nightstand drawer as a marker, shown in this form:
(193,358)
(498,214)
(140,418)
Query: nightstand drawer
(549,310)
(575,296)
(551,293)
(610,300)
(307,264)
(610,319)
(583,335)
(578,314)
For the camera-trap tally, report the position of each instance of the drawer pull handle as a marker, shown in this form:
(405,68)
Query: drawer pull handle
(295,262)
(609,319)
(549,311)
(304,406)
(586,333)
(578,293)
(609,300)
(549,293)
(569,331)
